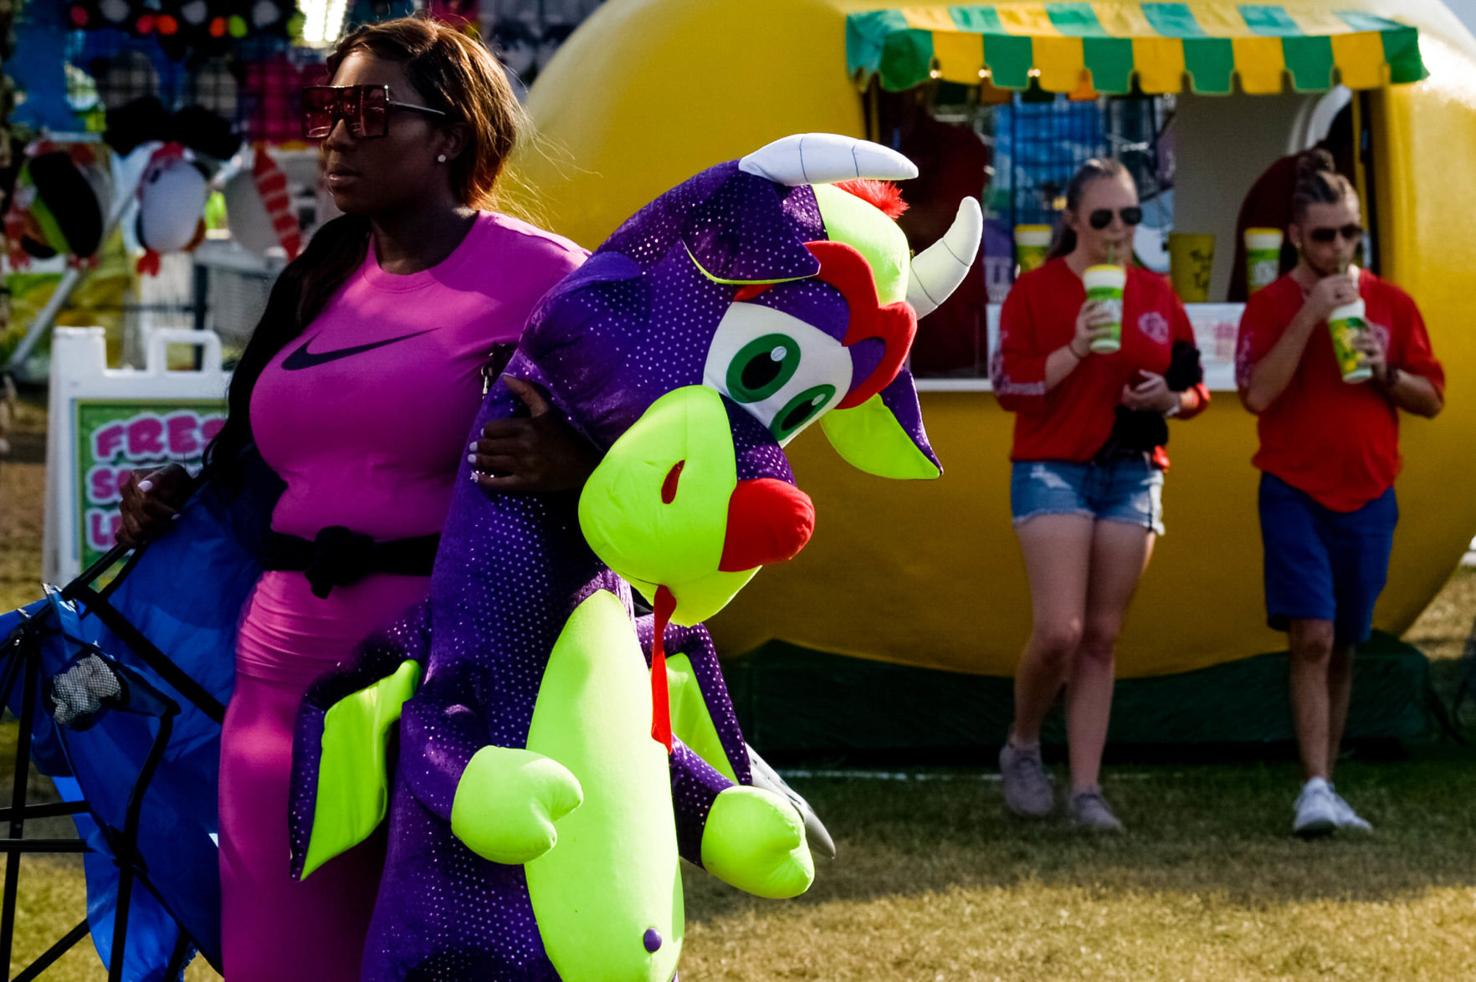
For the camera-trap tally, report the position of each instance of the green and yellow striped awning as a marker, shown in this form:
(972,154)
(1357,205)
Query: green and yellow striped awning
(1099,47)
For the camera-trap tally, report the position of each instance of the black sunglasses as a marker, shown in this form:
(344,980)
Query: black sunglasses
(1102,217)
(1325,236)
(363,108)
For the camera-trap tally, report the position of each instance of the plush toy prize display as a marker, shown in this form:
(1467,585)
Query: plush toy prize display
(60,203)
(556,756)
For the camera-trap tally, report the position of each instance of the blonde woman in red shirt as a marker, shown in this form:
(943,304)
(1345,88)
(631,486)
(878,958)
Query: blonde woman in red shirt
(1087,478)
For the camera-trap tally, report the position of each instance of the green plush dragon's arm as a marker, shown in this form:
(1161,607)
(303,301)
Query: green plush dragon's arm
(702,717)
(340,775)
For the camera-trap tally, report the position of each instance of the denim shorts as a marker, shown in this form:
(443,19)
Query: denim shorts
(1322,564)
(1119,489)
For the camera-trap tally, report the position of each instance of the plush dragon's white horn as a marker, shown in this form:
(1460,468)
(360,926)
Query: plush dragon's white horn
(941,267)
(825,158)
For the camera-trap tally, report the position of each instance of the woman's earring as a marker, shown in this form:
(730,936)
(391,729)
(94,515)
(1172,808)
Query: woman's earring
(440,158)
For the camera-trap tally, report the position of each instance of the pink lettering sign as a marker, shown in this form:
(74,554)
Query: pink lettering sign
(102,529)
(146,437)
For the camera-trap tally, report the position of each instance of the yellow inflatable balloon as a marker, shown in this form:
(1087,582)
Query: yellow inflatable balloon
(647,92)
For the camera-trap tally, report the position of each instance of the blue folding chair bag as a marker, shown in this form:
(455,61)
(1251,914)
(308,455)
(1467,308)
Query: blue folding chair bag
(181,596)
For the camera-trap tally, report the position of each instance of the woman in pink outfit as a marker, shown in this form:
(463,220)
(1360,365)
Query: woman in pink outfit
(358,388)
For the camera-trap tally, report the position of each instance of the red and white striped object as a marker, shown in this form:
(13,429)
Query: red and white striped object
(271,184)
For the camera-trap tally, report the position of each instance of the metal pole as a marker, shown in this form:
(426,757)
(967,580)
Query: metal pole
(18,803)
(126,851)
(44,319)
(51,954)
(201,300)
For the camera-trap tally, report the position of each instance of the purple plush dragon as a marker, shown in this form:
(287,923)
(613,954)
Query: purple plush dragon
(550,772)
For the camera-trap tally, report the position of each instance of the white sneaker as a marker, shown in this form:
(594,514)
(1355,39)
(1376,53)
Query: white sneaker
(1346,817)
(1317,809)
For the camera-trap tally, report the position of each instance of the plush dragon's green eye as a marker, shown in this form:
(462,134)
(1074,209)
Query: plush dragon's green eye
(762,366)
(783,371)
(800,410)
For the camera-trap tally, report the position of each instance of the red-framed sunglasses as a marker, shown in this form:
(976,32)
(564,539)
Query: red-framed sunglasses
(363,108)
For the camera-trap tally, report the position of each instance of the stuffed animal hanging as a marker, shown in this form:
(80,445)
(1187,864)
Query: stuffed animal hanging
(549,772)
(171,205)
(59,205)
(176,180)
(259,208)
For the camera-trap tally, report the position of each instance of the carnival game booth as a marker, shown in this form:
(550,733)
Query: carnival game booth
(1198,99)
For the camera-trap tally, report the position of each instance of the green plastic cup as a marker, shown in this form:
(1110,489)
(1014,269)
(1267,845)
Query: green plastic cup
(1262,257)
(1032,242)
(1104,285)
(1347,324)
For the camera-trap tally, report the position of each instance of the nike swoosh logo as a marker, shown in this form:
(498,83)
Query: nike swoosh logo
(303,358)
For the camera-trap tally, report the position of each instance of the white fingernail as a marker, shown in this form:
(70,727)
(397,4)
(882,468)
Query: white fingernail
(146,485)
(472,445)
(471,458)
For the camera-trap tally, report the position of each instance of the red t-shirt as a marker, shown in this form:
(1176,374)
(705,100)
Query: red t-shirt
(1337,442)
(1073,420)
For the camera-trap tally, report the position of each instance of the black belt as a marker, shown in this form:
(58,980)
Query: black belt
(338,556)
(1111,454)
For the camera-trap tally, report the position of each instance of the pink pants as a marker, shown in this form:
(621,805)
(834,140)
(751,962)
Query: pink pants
(274,928)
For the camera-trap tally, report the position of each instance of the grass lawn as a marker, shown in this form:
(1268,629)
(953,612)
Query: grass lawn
(934,882)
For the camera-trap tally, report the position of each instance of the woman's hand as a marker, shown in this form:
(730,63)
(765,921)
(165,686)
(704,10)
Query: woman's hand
(1092,322)
(537,452)
(151,502)
(1152,393)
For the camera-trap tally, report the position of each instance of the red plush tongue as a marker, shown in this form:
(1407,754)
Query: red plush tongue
(660,700)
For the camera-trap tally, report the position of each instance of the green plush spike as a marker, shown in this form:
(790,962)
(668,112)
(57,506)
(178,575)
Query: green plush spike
(864,227)
(353,782)
(691,721)
(869,438)
(755,840)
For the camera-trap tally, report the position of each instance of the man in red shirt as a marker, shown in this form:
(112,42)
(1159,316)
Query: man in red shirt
(1329,453)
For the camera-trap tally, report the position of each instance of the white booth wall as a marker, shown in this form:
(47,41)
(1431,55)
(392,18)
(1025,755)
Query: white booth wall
(1222,144)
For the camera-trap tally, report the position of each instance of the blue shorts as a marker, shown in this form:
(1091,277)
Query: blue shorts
(1121,489)
(1322,564)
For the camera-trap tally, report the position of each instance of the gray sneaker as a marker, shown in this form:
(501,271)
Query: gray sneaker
(1027,788)
(1316,810)
(1345,817)
(1089,810)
